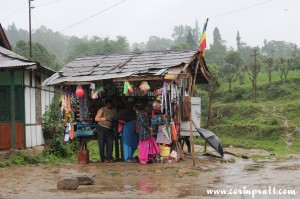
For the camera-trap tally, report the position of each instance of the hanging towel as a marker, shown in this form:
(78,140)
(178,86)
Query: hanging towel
(186,109)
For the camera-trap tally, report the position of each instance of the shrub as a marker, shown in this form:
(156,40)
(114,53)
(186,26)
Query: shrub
(53,132)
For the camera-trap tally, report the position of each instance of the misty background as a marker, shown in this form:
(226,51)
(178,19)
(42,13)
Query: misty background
(160,25)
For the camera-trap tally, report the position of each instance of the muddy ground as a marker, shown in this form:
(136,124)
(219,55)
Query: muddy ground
(158,180)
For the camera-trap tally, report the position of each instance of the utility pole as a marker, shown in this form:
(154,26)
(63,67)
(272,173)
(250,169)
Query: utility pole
(30,45)
(255,53)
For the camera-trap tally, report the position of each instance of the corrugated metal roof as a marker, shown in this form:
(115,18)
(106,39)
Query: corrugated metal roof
(12,63)
(100,67)
(9,59)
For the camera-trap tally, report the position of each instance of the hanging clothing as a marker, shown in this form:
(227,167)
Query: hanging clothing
(143,126)
(129,139)
(147,146)
(163,137)
(68,103)
(186,109)
(147,150)
(173,131)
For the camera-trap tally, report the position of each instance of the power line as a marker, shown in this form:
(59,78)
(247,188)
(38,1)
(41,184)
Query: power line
(238,10)
(93,16)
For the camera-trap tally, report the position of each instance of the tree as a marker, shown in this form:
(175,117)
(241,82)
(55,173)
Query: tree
(121,44)
(196,33)
(157,43)
(284,66)
(108,46)
(54,42)
(96,45)
(278,49)
(138,47)
(180,46)
(14,35)
(238,41)
(179,33)
(186,36)
(230,70)
(217,50)
(190,40)
(79,47)
(253,71)
(39,53)
(270,68)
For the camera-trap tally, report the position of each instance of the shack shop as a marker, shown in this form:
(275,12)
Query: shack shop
(161,80)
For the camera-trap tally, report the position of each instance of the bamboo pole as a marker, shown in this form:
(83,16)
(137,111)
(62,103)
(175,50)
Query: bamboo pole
(211,93)
(191,91)
(196,71)
(191,124)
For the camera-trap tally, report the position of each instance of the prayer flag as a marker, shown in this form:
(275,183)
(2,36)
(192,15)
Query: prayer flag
(203,38)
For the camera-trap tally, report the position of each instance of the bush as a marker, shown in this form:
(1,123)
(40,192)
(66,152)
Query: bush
(53,132)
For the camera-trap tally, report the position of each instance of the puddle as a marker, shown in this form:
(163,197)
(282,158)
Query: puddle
(120,180)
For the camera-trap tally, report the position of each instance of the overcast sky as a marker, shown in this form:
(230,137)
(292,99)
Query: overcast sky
(256,20)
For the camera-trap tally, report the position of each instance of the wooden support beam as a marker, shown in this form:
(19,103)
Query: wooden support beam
(76,83)
(139,78)
(191,123)
(149,77)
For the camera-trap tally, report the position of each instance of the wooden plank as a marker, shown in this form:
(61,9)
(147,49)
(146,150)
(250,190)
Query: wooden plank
(139,78)
(76,83)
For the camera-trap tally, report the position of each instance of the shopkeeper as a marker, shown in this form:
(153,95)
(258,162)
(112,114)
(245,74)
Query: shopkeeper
(104,117)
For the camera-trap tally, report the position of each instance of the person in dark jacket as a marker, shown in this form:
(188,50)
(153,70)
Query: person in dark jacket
(127,116)
(147,144)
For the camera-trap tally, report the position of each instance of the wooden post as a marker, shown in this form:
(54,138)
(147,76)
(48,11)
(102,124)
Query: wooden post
(117,149)
(191,124)
(196,71)
(191,91)
(211,93)
(12,109)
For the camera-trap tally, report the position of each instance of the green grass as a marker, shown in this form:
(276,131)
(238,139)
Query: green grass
(262,79)
(240,122)
(23,159)
(296,142)
(93,150)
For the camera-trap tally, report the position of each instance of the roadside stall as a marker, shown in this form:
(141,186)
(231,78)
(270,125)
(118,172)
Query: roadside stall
(162,80)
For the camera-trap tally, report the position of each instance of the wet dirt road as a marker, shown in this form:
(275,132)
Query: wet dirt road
(159,180)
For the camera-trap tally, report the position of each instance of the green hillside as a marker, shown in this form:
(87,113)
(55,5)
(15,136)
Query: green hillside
(272,123)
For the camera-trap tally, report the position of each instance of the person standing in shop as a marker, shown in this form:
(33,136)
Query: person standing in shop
(129,136)
(147,146)
(104,117)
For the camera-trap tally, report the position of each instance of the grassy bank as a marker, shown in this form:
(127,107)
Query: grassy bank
(272,123)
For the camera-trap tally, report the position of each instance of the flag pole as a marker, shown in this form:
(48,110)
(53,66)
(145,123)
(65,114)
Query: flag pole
(201,51)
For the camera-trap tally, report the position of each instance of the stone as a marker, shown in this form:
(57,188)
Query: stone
(68,184)
(84,179)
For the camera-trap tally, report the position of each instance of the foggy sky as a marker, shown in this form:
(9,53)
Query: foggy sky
(256,20)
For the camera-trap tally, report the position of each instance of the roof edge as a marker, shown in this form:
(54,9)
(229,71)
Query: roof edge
(4,38)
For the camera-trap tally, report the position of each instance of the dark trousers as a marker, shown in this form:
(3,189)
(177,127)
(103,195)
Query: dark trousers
(105,138)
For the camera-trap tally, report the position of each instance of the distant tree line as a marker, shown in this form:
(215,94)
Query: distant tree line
(53,49)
